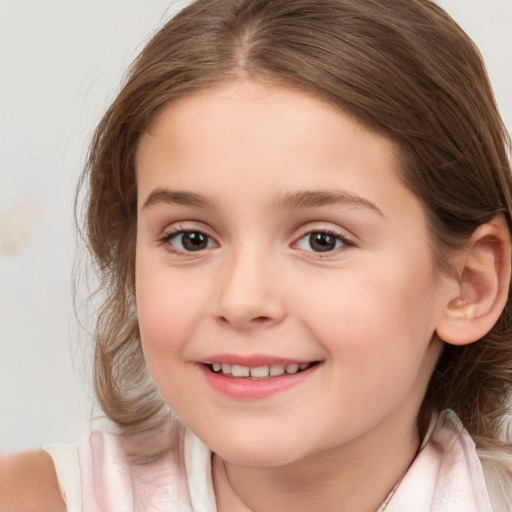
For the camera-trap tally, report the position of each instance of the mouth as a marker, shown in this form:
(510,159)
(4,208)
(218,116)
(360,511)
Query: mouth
(261,372)
(251,378)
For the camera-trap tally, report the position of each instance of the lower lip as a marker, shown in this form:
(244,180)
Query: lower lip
(254,389)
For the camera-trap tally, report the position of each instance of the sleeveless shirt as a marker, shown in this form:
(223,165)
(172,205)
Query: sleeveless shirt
(98,475)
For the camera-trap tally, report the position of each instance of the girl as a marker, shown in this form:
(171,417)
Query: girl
(301,214)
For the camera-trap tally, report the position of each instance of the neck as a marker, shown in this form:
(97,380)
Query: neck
(354,477)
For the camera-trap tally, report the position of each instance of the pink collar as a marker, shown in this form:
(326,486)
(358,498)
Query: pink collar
(446,475)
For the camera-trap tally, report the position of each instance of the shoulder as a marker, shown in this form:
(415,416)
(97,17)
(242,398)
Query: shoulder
(29,483)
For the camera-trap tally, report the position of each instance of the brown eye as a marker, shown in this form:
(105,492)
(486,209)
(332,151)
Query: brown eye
(194,241)
(321,241)
(190,241)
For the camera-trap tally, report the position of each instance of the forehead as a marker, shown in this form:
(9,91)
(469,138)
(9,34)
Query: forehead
(276,106)
(269,139)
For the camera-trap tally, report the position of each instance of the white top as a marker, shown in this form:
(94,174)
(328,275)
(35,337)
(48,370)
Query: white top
(98,475)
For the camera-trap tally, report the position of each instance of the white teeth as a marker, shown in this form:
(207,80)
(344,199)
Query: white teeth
(260,371)
(240,371)
(292,368)
(276,370)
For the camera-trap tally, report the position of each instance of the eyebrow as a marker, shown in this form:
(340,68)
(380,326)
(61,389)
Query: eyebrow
(166,196)
(288,201)
(318,198)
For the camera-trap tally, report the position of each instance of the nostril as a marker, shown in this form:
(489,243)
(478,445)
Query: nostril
(256,320)
(261,319)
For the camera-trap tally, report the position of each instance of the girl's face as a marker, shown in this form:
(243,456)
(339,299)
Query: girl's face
(286,293)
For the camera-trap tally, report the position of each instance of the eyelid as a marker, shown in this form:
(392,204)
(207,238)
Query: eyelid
(184,226)
(175,230)
(339,233)
(319,227)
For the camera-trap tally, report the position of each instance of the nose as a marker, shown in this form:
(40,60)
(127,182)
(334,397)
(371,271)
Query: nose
(249,293)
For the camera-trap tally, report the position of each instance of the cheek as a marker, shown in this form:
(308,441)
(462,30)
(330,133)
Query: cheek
(378,338)
(165,313)
(370,317)
(166,309)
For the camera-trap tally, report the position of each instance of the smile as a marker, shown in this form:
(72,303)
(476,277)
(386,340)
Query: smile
(256,380)
(258,372)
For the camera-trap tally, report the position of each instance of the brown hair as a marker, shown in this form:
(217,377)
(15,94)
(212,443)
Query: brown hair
(403,68)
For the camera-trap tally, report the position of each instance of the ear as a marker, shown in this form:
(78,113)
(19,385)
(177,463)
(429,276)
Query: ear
(484,269)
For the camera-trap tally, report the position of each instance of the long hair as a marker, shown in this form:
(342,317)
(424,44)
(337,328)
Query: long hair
(402,68)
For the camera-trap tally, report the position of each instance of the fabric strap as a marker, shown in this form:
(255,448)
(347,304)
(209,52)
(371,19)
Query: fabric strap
(67,466)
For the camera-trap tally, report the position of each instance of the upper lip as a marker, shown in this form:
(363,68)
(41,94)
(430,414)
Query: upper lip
(253,360)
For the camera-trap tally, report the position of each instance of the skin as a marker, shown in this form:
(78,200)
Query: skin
(29,484)
(371,308)
(367,310)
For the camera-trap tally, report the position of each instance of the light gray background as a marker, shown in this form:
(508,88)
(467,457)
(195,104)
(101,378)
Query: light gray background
(61,62)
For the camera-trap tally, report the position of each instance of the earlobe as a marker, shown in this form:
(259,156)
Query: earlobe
(484,270)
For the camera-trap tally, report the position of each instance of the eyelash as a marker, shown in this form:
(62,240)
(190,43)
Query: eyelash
(338,237)
(166,240)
